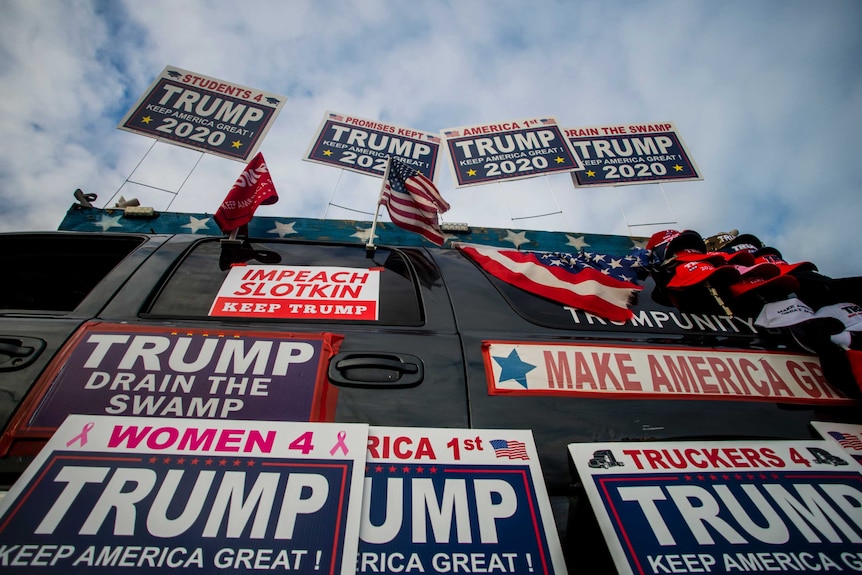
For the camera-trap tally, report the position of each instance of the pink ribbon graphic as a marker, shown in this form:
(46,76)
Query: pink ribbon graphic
(81,436)
(340,444)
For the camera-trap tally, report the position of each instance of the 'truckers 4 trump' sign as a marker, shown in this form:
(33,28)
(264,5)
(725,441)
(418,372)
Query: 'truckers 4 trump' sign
(141,495)
(204,113)
(508,151)
(455,501)
(725,507)
(631,154)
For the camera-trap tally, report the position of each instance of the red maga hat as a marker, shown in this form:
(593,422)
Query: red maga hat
(766,280)
(774,257)
(665,244)
(695,273)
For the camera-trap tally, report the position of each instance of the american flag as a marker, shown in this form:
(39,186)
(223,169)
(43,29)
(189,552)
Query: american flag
(451,133)
(597,283)
(509,449)
(847,440)
(336,117)
(432,138)
(546,121)
(413,201)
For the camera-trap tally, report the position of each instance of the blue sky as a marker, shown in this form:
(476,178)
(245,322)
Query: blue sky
(767,95)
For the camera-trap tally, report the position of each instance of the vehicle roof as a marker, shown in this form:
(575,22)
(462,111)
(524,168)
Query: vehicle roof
(83,219)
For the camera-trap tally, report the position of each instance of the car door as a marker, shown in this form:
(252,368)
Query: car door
(494,317)
(53,282)
(402,367)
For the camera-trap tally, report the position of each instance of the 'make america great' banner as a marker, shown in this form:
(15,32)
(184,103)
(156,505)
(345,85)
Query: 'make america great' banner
(724,507)
(665,372)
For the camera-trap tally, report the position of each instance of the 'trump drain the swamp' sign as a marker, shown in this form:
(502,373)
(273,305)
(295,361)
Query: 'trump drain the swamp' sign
(725,507)
(204,113)
(666,372)
(136,495)
(508,151)
(634,154)
(299,292)
(364,146)
(118,369)
(455,501)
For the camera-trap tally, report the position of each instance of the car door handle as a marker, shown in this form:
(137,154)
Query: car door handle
(376,370)
(18,352)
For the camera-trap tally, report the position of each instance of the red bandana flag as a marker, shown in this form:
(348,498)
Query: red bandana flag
(413,201)
(253,188)
(562,278)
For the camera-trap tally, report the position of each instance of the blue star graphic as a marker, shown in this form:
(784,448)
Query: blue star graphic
(512,367)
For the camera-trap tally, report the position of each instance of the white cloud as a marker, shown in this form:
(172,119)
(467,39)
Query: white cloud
(768,97)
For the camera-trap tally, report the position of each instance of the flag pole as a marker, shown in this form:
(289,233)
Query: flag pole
(369,247)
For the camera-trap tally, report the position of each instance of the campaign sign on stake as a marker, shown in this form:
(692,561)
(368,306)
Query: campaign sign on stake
(142,495)
(847,435)
(364,146)
(120,369)
(299,292)
(631,154)
(455,501)
(725,507)
(508,151)
(204,113)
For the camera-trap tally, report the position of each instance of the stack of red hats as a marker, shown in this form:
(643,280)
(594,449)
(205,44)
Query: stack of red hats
(738,262)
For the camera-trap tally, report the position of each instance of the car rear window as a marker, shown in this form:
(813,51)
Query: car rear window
(194,283)
(55,272)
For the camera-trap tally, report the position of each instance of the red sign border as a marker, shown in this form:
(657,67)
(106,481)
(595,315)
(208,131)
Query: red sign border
(650,396)
(20,438)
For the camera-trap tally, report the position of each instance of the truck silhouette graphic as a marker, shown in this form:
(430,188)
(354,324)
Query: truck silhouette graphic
(605,459)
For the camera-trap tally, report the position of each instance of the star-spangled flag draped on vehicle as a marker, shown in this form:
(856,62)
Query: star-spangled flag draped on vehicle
(253,188)
(596,283)
(413,201)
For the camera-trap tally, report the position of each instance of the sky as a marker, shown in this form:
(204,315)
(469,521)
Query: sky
(767,96)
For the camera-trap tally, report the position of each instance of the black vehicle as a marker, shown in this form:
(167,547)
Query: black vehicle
(431,358)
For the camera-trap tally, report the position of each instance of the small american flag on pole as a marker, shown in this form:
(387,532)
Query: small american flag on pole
(413,201)
(847,440)
(509,449)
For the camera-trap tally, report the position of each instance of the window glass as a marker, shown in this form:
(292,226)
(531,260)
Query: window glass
(654,316)
(54,273)
(194,283)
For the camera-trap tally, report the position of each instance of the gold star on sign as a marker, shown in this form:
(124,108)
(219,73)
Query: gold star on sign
(677,168)
(590,173)
(471,172)
(236,144)
(327,152)
(146,119)
(559,160)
